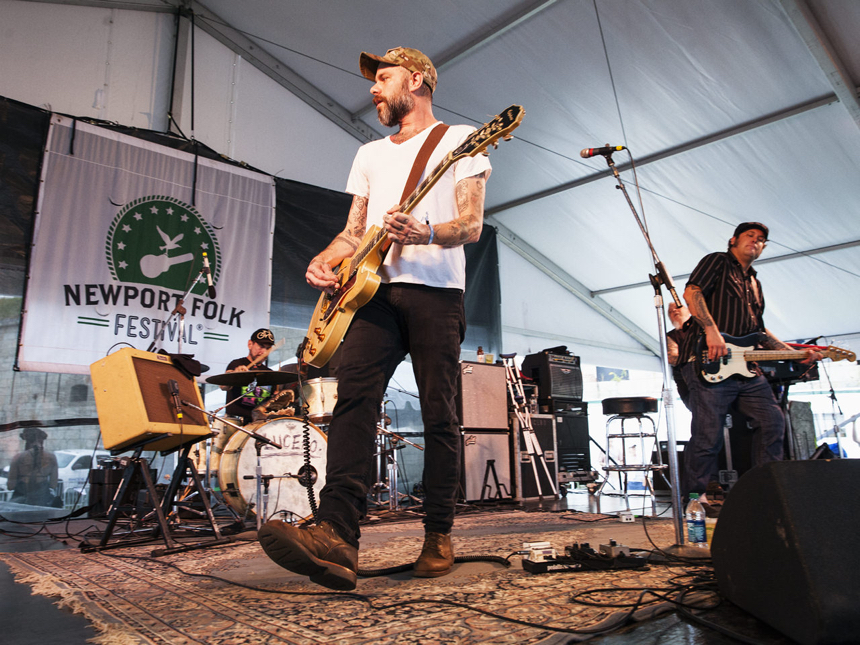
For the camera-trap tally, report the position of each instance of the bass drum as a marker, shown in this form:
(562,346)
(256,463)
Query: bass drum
(286,494)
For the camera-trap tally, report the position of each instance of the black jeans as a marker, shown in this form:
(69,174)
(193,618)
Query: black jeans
(429,325)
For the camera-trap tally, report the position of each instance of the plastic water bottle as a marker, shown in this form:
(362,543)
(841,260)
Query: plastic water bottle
(695,516)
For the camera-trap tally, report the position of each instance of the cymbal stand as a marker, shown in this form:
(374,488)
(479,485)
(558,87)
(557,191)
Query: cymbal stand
(386,461)
(521,410)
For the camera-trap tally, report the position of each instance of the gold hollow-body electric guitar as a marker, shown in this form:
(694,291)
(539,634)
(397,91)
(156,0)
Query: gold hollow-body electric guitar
(357,275)
(742,352)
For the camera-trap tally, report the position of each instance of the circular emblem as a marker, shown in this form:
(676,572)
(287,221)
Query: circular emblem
(160,240)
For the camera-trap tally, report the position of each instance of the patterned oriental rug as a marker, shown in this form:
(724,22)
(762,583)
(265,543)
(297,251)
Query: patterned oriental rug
(235,595)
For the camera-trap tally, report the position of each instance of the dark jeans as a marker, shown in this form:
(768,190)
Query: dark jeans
(709,404)
(429,325)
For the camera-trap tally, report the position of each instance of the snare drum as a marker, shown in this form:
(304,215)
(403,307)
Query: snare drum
(320,394)
(285,493)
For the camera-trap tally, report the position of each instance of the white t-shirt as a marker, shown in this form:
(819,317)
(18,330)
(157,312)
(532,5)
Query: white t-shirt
(379,172)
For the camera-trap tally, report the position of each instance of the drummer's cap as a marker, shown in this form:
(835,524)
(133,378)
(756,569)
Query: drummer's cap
(263,337)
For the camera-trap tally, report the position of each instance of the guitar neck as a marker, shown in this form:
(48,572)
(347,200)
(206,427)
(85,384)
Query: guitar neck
(774,355)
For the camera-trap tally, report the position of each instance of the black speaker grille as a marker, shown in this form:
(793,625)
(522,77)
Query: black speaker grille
(566,381)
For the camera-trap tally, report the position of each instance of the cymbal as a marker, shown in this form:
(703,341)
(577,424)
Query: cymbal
(263,377)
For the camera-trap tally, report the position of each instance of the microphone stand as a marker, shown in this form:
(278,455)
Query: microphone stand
(180,310)
(663,278)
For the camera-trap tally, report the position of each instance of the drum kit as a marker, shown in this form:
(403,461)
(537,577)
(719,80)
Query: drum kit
(261,468)
(276,456)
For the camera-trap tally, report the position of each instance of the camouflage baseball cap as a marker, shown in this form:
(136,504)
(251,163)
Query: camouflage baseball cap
(410,59)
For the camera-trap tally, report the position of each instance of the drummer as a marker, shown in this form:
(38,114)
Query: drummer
(259,346)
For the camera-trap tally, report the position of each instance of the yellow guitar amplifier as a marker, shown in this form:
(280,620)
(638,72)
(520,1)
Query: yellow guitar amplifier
(135,405)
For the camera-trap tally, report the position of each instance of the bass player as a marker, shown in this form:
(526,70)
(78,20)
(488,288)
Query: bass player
(725,296)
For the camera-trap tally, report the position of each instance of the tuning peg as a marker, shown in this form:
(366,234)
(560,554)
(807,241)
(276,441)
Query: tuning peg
(508,137)
(495,144)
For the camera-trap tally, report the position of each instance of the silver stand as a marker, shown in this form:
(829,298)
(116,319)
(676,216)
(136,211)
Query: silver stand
(661,278)
(386,462)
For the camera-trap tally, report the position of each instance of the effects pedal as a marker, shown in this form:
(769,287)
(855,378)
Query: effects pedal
(579,557)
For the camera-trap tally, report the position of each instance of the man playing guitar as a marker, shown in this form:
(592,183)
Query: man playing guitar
(417,310)
(725,297)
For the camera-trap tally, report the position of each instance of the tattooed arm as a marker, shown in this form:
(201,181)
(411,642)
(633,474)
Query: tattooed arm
(699,309)
(466,228)
(319,274)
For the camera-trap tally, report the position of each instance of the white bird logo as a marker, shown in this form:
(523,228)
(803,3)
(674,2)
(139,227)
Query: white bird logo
(169,243)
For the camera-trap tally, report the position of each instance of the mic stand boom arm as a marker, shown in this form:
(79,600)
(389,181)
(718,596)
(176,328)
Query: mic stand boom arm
(662,278)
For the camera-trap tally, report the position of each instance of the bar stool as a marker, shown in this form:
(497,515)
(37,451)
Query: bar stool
(624,441)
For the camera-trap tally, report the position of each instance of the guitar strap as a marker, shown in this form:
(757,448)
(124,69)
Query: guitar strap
(424,153)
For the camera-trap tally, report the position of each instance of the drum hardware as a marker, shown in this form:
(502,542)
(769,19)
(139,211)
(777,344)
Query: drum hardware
(301,476)
(386,461)
(260,442)
(246,477)
(521,410)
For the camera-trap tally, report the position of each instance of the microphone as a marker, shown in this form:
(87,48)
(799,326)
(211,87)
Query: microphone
(173,386)
(207,271)
(588,153)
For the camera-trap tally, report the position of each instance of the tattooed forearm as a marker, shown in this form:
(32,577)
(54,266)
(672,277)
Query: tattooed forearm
(469,196)
(356,223)
(698,307)
(346,242)
(769,341)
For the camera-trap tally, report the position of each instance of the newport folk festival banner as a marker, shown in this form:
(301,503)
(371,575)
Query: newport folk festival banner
(119,239)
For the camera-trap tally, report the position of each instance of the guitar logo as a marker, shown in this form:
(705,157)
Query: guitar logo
(160,241)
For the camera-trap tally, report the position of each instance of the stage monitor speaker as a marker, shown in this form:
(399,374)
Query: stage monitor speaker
(544,429)
(786,548)
(478,448)
(135,406)
(558,376)
(482,401)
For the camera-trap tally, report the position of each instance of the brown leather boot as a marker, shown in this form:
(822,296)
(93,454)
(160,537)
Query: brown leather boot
(318,552)
(437,556)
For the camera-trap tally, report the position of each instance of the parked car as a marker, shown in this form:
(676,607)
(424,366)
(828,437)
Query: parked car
(73,470)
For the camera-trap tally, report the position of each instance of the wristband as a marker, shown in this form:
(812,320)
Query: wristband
(432,232)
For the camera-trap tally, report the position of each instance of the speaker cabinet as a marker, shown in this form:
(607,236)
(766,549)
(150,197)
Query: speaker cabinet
(544,429)
(478,449)
(104,483)
(786,548)
(482,401)
(135,406)
(572,442)
(558,376)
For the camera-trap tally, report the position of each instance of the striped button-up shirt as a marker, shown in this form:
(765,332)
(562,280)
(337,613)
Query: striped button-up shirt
(734,298)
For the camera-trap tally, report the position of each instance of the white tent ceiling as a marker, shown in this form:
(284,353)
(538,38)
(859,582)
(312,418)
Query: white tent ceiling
(734,110)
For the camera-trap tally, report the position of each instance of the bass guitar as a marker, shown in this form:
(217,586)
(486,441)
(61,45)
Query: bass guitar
(742,352)
(357,275)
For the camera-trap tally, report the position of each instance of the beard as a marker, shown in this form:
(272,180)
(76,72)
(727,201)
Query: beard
(392,110)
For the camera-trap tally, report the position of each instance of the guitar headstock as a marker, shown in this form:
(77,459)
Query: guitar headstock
(490,133)
(838,354)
